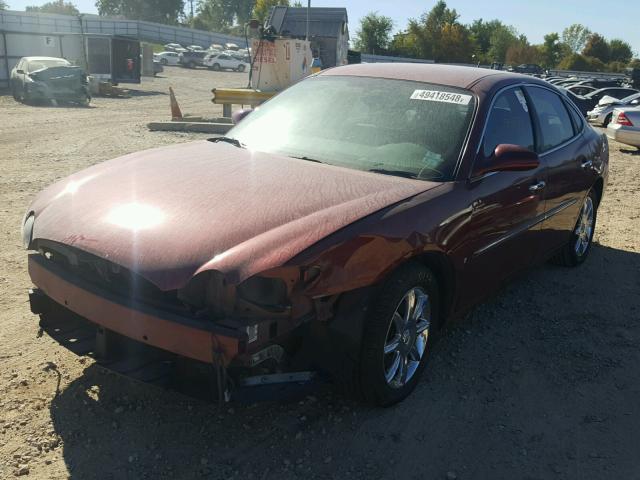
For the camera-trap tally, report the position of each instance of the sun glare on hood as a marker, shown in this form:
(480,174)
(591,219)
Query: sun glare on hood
(73,186)
(135,216)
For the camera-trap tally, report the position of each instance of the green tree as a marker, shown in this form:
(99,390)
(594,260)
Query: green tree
(214,15)
(262,8)
(57,6)
(620,51)
(223,15)
(374,34)
(481,33)
(550,50)
(575,37)
(159,11)
(597,47)
(582,63)
(3,5)
(502,38)
(430,36)
(635,63)
(522,52)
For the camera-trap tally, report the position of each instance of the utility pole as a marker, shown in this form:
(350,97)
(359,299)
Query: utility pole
(308,11)
(191,2)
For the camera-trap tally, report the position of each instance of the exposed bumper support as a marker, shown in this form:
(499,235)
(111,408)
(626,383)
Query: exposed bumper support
(198,340)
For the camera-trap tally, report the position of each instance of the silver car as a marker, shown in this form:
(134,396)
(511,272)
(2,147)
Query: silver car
(49,79)
(625,126)
(602,113)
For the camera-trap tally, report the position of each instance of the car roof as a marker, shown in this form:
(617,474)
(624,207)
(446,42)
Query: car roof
(452,75)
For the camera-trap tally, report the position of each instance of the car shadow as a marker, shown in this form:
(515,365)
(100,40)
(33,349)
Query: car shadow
(630,151)
(541,381)
(146,93)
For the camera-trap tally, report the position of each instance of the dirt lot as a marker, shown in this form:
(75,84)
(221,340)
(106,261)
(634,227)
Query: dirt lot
(541,382)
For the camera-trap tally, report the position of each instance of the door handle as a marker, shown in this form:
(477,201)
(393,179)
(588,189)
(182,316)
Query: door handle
(536,187)
(586,164)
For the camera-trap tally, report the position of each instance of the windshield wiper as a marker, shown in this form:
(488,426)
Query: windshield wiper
(232,141)
(396,173)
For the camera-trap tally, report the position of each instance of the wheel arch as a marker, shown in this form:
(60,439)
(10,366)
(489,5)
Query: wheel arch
(598,188)
(442,267)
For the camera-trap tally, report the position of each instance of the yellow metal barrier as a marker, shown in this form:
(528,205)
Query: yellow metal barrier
(238,96)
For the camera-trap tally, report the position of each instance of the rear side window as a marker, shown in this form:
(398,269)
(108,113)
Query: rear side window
(553,118)
(509,122)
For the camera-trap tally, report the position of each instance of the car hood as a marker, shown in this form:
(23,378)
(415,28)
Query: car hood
(173,212)
(607,100)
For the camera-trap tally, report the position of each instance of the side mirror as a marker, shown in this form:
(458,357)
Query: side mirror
(237,117)
(509,158)
(20,71)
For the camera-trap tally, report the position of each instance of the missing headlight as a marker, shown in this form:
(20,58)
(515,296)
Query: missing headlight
(265,292)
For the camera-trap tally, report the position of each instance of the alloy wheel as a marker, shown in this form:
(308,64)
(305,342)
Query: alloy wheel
(406,340)
(584,228)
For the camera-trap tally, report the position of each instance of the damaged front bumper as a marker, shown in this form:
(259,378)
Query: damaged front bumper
(200,340)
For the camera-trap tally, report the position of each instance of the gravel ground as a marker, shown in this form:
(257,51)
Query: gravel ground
(540,382)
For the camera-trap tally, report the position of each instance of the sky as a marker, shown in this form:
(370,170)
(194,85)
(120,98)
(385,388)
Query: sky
(534,18)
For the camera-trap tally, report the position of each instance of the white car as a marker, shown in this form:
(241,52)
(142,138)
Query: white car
(223,61)
(167,58)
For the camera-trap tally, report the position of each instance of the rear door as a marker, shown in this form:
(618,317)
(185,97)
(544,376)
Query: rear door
(569,158)
(506,207)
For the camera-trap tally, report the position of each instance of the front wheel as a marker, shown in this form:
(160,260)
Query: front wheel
(577,249)
(397,336)
(164,62)
(216,67)
(240,68)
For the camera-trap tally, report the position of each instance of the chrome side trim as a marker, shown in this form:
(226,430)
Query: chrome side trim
(526,226)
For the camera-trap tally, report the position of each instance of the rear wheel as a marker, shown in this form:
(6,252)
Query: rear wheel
(240,68)
(192,65)
(397,336)
(577,249)
(164,62)
(216,67)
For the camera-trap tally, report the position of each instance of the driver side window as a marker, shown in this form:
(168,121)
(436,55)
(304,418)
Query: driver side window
(509,123)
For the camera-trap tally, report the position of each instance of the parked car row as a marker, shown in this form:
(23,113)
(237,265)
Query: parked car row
(216,57)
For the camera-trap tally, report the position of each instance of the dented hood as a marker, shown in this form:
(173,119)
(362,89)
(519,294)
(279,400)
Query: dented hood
(172,212)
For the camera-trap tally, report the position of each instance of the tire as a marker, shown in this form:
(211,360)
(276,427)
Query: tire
(240,68)
(577,249)
(164,61)
(14,92)
(376,380)
(26,99)
(191,64)
(215,67)
(85,102)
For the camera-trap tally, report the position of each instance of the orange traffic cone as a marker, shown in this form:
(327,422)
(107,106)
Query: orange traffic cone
(176,113)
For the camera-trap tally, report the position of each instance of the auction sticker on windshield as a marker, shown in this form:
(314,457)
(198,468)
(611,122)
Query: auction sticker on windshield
(438,96)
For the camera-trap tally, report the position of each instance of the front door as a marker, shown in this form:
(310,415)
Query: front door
(506,207)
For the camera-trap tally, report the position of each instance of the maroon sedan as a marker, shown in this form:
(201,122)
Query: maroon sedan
(334,229)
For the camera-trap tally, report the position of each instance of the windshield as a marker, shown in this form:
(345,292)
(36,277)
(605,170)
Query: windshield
(36,65)
(396,127)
